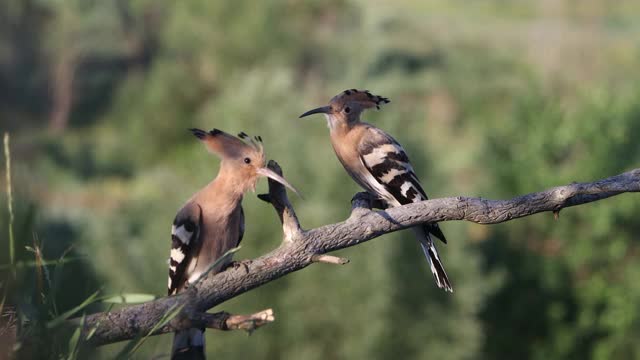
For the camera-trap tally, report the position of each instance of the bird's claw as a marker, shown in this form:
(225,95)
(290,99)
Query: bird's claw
(238,264)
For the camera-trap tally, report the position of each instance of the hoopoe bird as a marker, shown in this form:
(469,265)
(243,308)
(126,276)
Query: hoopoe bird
(379,164)
(212,221)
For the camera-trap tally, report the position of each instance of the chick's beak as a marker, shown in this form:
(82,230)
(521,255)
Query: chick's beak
(320,110)
(272,175)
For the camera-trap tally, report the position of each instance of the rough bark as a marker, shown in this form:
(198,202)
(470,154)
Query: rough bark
(301,248)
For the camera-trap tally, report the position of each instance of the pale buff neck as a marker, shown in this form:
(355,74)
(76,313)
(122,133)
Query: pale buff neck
(227,186)
(339,126)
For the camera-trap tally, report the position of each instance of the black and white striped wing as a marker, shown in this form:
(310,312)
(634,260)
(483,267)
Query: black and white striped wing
(185,245)
(391,174)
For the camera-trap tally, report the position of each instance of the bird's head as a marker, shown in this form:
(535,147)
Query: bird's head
(243,158)
(346,107)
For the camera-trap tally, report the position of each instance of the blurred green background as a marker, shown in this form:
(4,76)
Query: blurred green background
(490,98)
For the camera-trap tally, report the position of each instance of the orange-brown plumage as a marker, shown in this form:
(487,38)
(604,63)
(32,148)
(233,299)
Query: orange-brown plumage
(212,221)
(378,163)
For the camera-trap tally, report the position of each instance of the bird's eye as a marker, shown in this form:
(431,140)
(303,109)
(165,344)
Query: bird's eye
(347,110)
(247,161)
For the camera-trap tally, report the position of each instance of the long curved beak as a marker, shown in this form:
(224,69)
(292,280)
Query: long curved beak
(272,175)
(320,110)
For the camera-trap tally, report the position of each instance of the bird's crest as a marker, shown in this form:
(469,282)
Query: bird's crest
(227,145)
(364,98)
(255,142)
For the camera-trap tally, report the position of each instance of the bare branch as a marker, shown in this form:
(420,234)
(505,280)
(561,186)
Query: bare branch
(250,322)
(225,321)
(301,248)
(219,321)
(278,198)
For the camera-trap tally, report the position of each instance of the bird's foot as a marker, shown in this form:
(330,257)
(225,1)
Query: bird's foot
(373,201)
(378,203)
(238,264)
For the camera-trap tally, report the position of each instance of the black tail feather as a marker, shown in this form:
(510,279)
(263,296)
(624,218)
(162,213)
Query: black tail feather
(439,274)
(434,230)
(431,253)
(188,345)
(192,353)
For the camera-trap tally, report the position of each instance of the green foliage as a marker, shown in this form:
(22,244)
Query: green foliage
(575,271)
(490,98)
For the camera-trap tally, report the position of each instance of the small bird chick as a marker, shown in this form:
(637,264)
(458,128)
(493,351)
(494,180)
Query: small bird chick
(212,221)
(379,164)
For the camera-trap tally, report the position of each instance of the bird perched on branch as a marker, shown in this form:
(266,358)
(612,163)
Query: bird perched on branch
(212,221)
(379,164)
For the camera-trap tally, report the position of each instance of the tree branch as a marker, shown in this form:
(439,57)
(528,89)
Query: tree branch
(301,248)
(224,321)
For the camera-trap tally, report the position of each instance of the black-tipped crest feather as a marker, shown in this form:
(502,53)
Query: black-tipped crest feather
(200,134)
(364,97)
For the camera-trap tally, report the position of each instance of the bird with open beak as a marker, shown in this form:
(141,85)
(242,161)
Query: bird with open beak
(379,164)
(212,221)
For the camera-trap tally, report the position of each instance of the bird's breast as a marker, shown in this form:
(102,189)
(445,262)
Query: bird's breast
(220,233)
